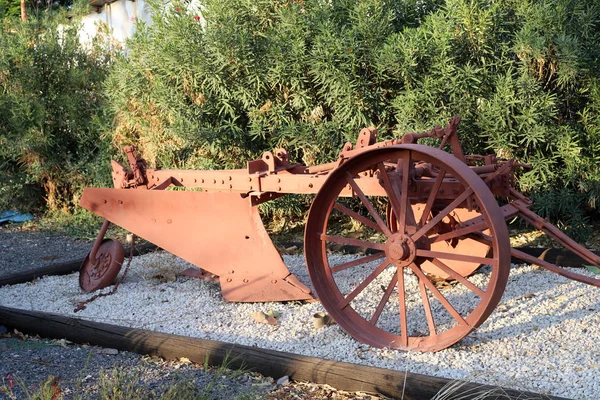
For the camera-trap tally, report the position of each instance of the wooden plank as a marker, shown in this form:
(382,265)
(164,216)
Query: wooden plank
(341,375)
(560,257)
(64,268)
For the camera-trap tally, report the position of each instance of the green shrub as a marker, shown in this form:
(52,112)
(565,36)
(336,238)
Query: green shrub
(216,88)
(52,113)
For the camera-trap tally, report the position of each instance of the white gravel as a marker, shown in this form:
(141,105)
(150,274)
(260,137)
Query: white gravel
(543,337)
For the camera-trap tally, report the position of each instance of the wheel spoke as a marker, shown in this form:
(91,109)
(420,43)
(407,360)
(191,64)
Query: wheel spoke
(458,277)
(427,308)
(389,189)
(364,283)
(384,300)
(459,232)
(424,229)
(438,295)
(404,205)
(352,242)
(367,204)
(432,196)
(359,261)
(402,307)
(457,257)
(357,216)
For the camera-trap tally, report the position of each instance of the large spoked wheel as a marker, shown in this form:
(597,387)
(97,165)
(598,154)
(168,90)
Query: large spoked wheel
(384,297)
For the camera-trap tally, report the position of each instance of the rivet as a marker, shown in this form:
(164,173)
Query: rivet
(230,178)
(230,186)
(202,180)
(274,281)
(246,281)
(229,279)
(169,221)
(231,272)
(120,201)
(104,201)
(310,185)
(222,181)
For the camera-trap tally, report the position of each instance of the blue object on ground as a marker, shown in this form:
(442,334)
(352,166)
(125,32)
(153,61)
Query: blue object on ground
(14,216)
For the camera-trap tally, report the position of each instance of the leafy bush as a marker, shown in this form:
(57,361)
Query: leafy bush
(51,112)
(217,87)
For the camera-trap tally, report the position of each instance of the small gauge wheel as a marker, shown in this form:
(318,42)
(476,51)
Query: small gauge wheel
(104,270)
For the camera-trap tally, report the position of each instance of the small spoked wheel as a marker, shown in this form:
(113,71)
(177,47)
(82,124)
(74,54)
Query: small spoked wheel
(102,272)
(387,296)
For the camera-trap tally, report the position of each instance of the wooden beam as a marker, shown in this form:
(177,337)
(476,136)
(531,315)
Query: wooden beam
(64,268)
(341,375)
(556,256)
(562,257)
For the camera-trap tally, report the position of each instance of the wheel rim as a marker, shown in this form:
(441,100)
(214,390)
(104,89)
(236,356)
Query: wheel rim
(102,273)
(389,300)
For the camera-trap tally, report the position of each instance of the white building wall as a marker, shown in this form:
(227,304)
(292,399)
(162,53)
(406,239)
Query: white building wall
(120,17)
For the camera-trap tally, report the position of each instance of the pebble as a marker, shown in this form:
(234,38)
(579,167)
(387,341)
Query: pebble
(108,351)
(284,380)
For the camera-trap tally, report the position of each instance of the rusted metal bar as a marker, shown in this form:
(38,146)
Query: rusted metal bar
(98,241)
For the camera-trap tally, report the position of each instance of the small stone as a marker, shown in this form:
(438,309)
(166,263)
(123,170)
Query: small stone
(284,380)
(109,351)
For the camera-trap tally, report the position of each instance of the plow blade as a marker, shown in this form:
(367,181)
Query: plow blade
(222,233)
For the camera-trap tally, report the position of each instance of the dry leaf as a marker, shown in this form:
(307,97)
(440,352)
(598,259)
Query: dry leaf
(263,318)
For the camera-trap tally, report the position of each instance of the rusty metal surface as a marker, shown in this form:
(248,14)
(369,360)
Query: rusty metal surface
(220,232)
(428,212)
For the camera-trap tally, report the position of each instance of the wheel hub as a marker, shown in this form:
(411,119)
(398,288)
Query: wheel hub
(400,249)
(103,262)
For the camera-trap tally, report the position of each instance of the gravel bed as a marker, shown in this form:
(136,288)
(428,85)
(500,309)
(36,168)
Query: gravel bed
(543,337)
(23,250)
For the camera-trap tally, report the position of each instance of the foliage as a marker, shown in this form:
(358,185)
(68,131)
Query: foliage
(12,8)
(217,87)
(121,383)
(51,112)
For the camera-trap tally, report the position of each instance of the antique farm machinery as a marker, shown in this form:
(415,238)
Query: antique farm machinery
(419,214)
